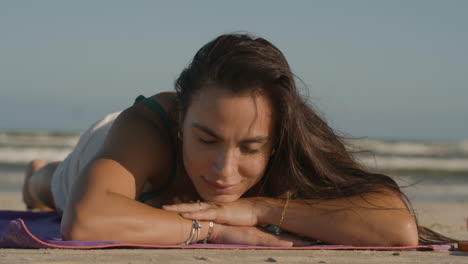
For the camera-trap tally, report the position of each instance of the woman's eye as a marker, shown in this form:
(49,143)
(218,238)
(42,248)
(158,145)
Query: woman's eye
(248,150)
(206,141)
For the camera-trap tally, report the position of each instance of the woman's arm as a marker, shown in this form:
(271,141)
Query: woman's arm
(102,209)
(113,216)
(367,220)
(102,205)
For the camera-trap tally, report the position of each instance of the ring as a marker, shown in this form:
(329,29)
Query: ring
(199,205)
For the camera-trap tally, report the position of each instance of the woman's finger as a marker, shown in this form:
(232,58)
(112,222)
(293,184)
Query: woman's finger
(296,240)
(186,207)
(271,240)
(208,214)
(276,242)
(180,207)
(283,240)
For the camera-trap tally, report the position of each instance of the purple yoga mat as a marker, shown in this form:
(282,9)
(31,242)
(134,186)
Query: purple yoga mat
(20,229)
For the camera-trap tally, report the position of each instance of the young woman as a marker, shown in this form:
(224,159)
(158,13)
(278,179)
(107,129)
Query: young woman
(233,150)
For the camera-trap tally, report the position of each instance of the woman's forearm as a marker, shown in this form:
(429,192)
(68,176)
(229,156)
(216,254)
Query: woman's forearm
(377,220)
(115,217)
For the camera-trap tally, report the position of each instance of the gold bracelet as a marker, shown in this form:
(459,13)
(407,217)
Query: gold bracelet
(283,213)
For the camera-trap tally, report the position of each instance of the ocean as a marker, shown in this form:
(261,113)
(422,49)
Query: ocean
(427,171)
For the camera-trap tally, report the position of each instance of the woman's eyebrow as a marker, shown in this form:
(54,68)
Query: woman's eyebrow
(210,132)
(259,139)
(206,130)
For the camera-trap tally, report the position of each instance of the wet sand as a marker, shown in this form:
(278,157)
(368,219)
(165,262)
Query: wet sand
(448,218)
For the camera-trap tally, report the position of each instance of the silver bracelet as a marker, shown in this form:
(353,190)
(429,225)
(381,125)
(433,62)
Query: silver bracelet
(192,232)
(196,226)
(210,232)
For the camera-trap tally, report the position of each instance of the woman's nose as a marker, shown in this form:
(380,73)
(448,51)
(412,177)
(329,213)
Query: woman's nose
(225,166)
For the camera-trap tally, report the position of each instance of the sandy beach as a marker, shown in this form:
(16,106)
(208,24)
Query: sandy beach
(448,218)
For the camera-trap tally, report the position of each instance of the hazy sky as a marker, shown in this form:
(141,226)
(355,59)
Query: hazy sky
(386,69)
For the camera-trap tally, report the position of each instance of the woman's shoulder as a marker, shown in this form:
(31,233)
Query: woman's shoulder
(140,141)
(154,109)
(167,100)
(140,126)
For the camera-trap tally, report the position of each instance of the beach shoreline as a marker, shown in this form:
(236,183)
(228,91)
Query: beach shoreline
(449,218)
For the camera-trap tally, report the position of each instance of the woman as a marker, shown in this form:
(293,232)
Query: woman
(237,138)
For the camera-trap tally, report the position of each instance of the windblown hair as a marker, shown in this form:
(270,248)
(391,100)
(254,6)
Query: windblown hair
(310,158)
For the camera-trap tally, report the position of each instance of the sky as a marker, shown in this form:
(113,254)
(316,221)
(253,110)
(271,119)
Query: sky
(378,69)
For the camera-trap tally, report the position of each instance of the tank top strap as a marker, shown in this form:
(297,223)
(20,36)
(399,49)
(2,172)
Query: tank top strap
(155,107)
(158,110)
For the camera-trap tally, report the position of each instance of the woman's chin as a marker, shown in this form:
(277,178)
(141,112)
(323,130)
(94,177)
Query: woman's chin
(224,198)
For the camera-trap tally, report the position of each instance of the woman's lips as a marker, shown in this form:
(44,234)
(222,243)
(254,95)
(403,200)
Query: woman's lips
(220,188)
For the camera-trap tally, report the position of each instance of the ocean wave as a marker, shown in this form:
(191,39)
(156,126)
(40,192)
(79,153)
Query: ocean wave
(412,148)
(21,156)
(38,139)
(18,148)
(416,163)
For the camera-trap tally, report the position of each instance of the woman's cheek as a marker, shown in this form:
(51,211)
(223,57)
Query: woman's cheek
(195,158)
(254,167)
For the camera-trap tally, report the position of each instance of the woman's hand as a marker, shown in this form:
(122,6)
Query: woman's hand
(247,235)
(243,212)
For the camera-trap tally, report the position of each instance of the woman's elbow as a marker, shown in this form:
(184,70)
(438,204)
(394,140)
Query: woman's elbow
(75,231)
(77,226)
(74,234)
(408,234)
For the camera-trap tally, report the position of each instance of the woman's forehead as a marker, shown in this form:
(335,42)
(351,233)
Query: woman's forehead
(249,114)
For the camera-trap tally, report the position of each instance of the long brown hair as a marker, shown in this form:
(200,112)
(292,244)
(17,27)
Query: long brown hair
(310,158)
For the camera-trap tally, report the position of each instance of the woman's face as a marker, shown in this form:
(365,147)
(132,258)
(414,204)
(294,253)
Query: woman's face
(227,142)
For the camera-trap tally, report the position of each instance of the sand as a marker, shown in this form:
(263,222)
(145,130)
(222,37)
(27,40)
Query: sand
(447,218)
